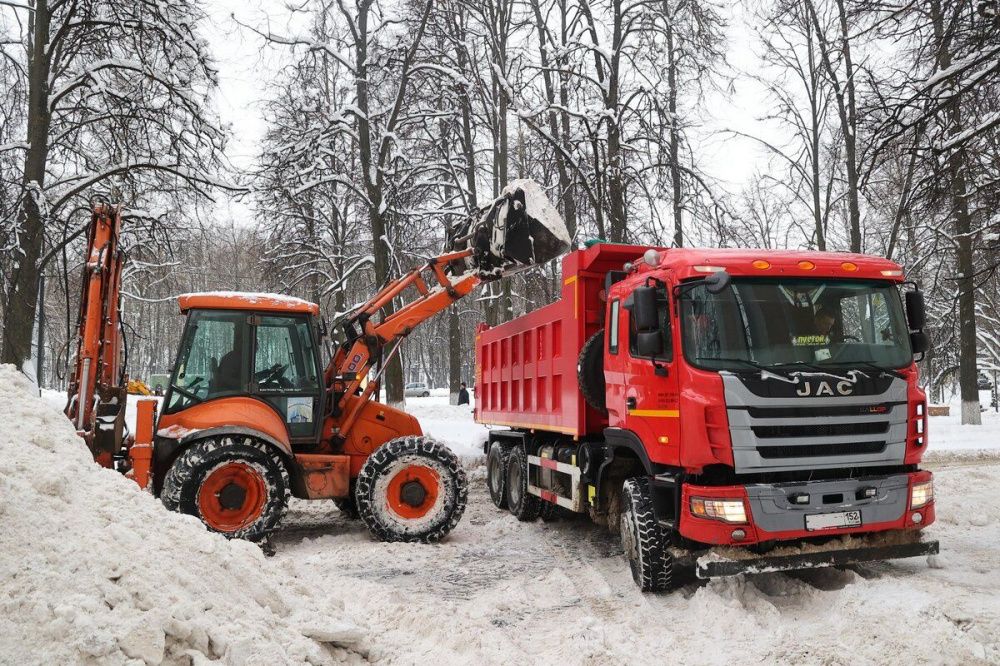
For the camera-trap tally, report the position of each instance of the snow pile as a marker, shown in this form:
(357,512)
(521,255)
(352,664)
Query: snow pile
(95,570)
(452,425)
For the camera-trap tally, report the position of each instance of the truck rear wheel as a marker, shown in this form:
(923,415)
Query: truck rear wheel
(522,505)
(496,473)
(643,539)
(237,485)
(590,372)
(411,489)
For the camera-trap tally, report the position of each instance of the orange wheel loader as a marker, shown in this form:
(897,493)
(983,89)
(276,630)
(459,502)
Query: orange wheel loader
(252,416)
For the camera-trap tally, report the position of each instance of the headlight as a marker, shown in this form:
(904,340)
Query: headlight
(921,494)
(726,510)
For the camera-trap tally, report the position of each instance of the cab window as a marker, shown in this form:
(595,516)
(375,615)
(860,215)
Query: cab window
(212,360)
(285,370)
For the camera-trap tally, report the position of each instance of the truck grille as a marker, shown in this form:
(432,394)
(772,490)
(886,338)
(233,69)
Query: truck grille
(807,450)
(771,433)
(821,429)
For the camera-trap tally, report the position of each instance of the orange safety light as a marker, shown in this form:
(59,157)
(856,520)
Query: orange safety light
(761,265)
(849,266)
(807,265)
(895,273)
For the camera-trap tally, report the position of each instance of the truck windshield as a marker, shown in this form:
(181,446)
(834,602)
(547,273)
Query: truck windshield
(778,322)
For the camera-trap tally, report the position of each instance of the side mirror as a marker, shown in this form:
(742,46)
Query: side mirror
(649,343)
(916,316)
(717,282)
(644,310)
(919,342)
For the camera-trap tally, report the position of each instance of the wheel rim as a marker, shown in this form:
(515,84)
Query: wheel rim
(232,497)
(514,483)
(413,491)
(495,473)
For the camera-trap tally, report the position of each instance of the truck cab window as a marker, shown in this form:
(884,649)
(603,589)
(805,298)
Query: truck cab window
(613,328)
(663,317)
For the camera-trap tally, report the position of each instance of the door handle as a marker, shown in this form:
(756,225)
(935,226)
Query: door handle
(630,403)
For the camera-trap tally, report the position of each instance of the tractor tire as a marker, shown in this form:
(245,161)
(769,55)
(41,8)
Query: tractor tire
(411,489)
(237,485)
(347,506)
(496,473)
(521,504)
(643,539)
(590,372)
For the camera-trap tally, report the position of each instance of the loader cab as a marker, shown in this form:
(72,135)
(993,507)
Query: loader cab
(242,345)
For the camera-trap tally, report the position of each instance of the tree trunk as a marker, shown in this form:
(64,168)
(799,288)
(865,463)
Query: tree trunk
(850,132)
(393,376)
(677,194)
(22,292)
(956,166)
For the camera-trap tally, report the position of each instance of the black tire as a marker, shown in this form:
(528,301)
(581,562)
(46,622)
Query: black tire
(347,506)
(425,394)
(643,539)
(548,511)
(207,463)
(521,504)
(590,372)
(384,513)
(496,473)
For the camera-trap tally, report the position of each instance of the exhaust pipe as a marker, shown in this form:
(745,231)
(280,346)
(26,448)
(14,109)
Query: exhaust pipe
(518,230)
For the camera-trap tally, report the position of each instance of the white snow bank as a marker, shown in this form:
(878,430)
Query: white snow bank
(452,425)
(96,571)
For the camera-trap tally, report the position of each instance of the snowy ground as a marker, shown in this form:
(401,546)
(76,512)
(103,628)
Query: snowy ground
(501,591)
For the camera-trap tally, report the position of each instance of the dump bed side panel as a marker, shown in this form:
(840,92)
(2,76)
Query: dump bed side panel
(526,368)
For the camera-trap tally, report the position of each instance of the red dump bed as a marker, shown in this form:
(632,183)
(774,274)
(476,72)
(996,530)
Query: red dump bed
(526,368)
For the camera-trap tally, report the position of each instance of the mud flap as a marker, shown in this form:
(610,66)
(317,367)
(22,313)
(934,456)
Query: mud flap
(715,566)
(519,229)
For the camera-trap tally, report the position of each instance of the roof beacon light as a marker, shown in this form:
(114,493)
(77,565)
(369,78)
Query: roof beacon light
(708,269)
(761,265)
(651,257)
(849,266)
(807,265)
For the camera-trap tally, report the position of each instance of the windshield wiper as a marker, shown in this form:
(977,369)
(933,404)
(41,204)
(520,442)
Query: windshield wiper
(881,370)
(752,364)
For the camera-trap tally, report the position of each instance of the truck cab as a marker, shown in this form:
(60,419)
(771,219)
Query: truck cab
(784,386)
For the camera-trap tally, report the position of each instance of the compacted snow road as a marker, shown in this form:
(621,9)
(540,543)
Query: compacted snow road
(501,591)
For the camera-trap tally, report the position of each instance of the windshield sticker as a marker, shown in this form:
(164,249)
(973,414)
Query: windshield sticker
(822,354)
(810,340)
(300,410)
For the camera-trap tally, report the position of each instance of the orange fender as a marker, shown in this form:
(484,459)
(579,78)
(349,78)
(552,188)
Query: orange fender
(377,424)
(234,415)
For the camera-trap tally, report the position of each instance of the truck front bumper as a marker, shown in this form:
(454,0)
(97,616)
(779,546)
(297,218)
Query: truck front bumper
(809,510)
(723,562)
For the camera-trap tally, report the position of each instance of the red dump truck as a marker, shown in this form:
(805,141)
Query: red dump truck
(725,411)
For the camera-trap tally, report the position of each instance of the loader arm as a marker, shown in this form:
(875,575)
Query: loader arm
(97,388)
(368,339)
(518,230)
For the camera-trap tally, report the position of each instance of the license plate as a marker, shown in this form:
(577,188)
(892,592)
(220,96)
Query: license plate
(829,521)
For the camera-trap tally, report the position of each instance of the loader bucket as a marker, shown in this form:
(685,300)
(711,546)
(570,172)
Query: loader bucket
(518,230)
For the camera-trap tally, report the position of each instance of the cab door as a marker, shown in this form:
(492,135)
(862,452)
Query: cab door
(650,383)
(286,372)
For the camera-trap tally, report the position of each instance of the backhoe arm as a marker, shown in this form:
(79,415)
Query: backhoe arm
(97,394)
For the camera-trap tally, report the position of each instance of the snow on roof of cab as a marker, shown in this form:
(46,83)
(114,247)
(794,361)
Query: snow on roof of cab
(242,300)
